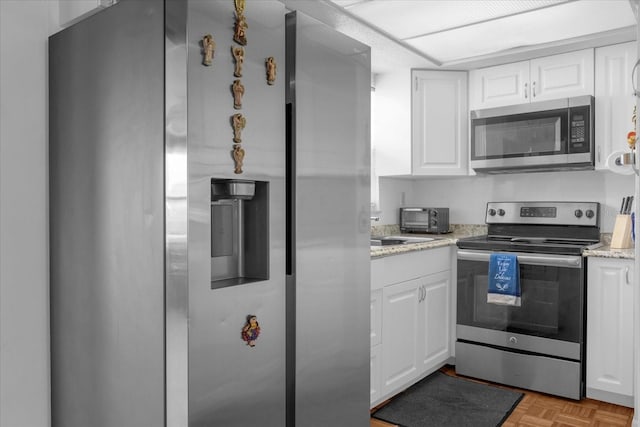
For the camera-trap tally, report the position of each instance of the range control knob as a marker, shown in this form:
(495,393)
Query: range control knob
(589,213)
(578,213)
(434,212)
(492,212)
(501,212)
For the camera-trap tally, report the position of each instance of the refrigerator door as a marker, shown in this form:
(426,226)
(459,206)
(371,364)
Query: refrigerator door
(107,247)
(328,97)
(230,382)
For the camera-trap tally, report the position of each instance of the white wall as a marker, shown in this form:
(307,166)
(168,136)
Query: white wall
(24,278)
(466,197)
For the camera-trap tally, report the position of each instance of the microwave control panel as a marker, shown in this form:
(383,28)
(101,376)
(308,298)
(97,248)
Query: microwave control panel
(579,138)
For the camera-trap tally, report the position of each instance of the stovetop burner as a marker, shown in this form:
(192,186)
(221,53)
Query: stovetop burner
(549,246)
(541,227)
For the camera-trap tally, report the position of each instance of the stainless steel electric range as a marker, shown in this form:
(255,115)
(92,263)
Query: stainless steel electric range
(539,345)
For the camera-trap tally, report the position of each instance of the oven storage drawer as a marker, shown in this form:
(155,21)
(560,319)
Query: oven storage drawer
(532,372)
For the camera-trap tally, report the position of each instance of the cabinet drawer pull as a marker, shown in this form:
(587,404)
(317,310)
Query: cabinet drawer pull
(526,90)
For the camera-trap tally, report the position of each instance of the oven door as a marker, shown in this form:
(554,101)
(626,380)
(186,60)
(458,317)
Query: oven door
(550,319)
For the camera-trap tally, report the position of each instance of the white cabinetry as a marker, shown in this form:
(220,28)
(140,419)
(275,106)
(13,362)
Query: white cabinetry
(614,99)
(610,370)
(400,334)
(376,339)
(439,123)
(416,319)
(551,77)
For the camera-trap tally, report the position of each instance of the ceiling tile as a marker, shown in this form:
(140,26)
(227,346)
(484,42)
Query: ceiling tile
(527,29)
(404,19)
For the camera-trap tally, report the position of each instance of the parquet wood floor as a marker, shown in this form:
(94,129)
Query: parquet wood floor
(542,410)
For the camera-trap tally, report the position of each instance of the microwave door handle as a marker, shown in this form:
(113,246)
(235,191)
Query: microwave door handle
(566,261)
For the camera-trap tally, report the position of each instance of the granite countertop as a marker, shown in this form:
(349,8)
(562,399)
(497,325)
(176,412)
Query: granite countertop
(605,251)
(459,231)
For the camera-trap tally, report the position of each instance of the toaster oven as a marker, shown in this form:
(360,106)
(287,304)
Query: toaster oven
(424,220)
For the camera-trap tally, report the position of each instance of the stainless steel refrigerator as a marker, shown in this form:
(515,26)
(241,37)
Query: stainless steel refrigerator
(164,259)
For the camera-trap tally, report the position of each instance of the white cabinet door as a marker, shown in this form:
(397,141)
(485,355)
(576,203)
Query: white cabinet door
(614,99)
(610,370)
(439,123)
(562,76)
(376,317)
(499,85)
(399,332)
(550,77)
(375,374)
(434,310)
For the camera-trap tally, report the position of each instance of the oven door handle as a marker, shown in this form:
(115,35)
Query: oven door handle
(567,261)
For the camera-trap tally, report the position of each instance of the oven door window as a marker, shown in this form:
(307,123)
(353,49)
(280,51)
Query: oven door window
(551,301)
(522,135)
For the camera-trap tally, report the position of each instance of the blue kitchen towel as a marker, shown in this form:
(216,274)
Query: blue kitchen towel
(504,280)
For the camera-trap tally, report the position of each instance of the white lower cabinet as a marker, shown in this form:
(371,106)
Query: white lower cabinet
(610,370)
(416,319)
(376,339)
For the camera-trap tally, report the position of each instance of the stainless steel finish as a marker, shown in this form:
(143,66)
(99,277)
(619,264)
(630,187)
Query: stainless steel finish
(329,89)
(536,163)
(230,383)
(176,214)
(569,161)
(562,261)
(532,107)
(425,220)
(532,372)
(513,341)
(107,219)
(233,189)
(565,213)
(141,336)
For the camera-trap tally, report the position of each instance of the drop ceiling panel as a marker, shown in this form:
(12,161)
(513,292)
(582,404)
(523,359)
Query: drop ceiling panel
(455,32)
(527,29)
(405,19)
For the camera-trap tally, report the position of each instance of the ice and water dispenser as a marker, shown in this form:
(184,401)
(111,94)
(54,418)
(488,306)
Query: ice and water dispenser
(239,232)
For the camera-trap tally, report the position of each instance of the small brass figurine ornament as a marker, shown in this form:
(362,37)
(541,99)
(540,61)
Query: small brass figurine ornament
(238,121)
(238,158)
(238,90)
(240,30)
(238,56)
(208,47)
(271,70)
(240,4)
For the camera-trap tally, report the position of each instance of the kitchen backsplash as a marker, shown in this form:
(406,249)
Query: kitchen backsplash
(466,197)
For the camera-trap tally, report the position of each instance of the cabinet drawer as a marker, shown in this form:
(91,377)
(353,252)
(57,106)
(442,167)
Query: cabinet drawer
(399,268)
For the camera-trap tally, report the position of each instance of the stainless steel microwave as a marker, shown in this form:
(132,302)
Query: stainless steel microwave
(540,136)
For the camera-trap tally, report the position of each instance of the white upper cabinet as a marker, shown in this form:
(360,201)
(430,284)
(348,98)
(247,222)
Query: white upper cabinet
(562,76)
(551,77)
(614,99)
(439,123)
(500,85)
